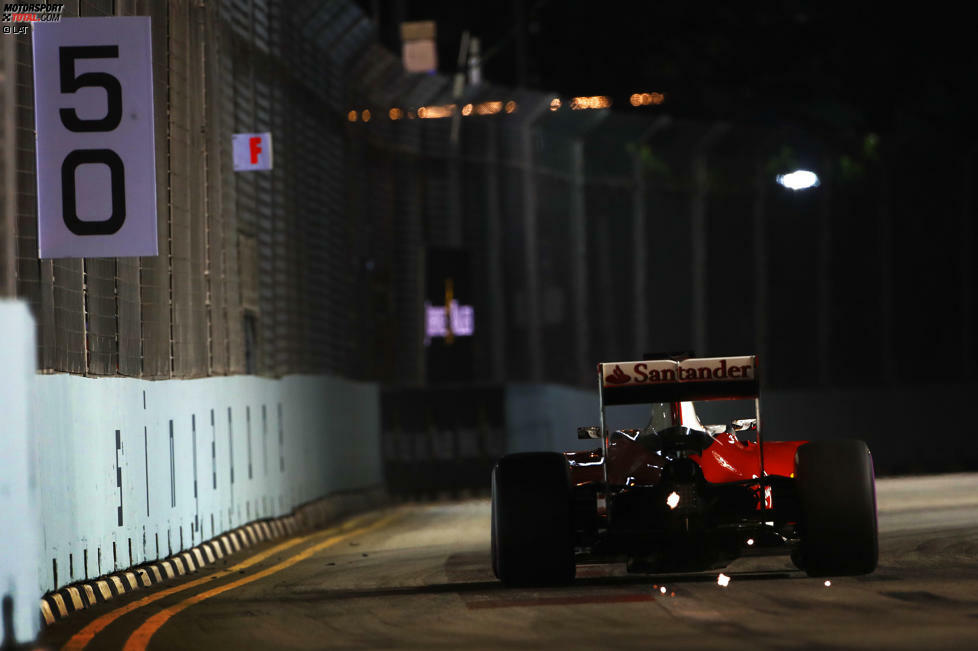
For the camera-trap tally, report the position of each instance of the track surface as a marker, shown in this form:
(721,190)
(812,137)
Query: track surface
(422,580)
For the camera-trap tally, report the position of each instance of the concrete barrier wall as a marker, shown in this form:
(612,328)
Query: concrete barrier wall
(135,470)
(132,470)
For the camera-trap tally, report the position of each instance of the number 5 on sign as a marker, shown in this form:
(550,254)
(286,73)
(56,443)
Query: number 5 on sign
(96,161)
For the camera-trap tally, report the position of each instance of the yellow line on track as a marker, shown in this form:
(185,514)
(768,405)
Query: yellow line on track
(142,635)
(80,640)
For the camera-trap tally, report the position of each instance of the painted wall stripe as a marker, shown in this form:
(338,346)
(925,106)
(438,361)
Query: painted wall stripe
(103,588)
(155,569)
(59,603)
(168,568)
(75,598)
(198,556)
(117,584)
(90,594)
(46,612)
(131,579)
(118,471)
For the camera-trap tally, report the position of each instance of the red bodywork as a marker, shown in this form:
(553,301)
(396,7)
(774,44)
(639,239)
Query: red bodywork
(726,460)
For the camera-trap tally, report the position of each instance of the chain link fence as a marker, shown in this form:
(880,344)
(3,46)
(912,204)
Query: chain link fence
(591,234)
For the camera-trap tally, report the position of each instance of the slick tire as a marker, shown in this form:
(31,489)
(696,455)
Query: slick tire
(837,493)
(532,527)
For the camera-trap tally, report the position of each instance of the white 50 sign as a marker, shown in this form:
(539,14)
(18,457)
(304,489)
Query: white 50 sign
(93,112)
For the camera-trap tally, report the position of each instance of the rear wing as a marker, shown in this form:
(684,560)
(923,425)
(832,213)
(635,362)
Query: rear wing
(666,380)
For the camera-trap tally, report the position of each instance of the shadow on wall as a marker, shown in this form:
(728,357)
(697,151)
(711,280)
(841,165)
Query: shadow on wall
(445,441)
(909,430)
(441,440)
(7,618)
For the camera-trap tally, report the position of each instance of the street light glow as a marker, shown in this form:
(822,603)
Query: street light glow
(798,180)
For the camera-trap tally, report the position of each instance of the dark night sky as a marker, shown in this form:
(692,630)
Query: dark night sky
(837,70)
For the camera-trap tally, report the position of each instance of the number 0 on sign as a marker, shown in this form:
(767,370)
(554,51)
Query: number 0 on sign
(96,161)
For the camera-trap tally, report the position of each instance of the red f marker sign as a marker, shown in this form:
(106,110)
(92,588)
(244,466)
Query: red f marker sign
(255,144)
(251,151)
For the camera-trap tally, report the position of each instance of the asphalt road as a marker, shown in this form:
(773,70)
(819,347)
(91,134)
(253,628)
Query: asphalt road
(418,576)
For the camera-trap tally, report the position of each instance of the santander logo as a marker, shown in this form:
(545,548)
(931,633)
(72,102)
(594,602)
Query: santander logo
(617,376)
(715,369)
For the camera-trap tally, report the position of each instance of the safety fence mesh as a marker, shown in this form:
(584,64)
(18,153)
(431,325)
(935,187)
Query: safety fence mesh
(591,234)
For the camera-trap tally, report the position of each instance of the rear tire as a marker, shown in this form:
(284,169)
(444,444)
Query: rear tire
(532,528)
(837,491)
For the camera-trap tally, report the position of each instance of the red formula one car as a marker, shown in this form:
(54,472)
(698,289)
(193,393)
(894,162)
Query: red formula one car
(679,496)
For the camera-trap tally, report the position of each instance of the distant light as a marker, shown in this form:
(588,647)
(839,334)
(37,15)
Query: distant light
(828,584)
(673,500)
(365,116)
(798,180)
(750,542)
(488,108)
(723,580)
(352,116)
(593,102)
(555,104)
(395,114)
(644,99)
(435,112)
(662,589)
(467,109)
(510,106)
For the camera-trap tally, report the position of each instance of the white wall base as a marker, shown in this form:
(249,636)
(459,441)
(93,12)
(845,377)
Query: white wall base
(20,520)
